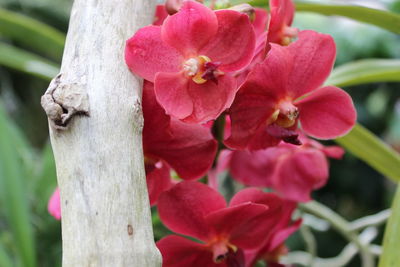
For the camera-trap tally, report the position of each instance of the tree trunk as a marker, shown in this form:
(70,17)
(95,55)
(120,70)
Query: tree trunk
(96,123)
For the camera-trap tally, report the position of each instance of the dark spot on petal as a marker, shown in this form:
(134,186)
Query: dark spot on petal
(210,72)
(235,259)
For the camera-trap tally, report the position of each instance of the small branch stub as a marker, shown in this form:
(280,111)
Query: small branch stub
(63,100)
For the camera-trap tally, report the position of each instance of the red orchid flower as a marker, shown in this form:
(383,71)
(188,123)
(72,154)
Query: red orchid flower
(190,57)
(196,210)
(270,28)
(293,171)
(282,14)
(285,89)
(169,143)
(54,206)
(281,212)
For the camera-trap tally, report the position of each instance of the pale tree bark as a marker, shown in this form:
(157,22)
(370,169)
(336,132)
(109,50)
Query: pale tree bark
(96,123)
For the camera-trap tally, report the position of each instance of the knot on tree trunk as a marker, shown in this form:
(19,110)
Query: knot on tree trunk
(63,100)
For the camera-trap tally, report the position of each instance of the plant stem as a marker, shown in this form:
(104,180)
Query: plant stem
(341,225)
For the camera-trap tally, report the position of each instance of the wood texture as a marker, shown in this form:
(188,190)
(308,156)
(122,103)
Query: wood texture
(97,143)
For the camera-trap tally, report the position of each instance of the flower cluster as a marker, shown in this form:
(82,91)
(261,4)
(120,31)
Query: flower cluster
(238,90)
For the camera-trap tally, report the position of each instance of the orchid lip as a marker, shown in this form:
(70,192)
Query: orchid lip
(221,249)
(201,69)
(285,115)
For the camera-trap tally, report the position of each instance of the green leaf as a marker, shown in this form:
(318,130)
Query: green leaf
(366,71)
(391,242)
(383,19)
(5,260)
(369,148)
(32,33)
(21,60)
(12,187)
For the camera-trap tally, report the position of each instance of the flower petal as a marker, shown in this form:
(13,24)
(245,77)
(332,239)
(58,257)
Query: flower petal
(194,103)
(171,91)
(277,219)
(153,114)
(178,251)
(280,236)
(335,152)
(273,73)
(146,54)
(255,195)
(298,174)
(314,55)
(183,208)
(278,215)
(190,151)
(260,22)
(257,98)
(160,15)
(253,168)
(190,29)
(327,113)
(241,224)
(54,206)
(248,113)
(282,13)
(210,99)
(260,25)
(158,180)
(234,43)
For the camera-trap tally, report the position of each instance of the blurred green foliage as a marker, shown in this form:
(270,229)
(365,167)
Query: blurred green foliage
(32,34)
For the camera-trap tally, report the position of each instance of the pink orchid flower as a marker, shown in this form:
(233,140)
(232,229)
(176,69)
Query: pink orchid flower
(169,143)
(293,171)
(196,210)
(190,59)
(54,207)
(286,89)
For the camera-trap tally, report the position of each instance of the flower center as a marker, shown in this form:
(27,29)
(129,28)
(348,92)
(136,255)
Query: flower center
(221,250)
(280,122)
(285,115)
(201,69)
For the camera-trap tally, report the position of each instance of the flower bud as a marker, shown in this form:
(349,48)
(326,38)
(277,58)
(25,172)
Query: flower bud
(246,9)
